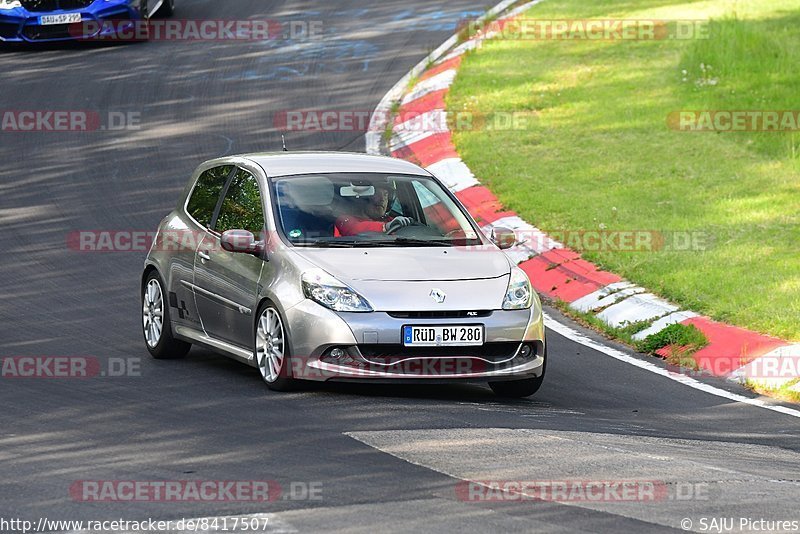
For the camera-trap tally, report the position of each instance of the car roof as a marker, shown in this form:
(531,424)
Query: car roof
(294,163)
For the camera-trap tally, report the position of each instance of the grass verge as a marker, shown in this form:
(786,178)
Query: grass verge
(783,393)
(597,155)
(682,341)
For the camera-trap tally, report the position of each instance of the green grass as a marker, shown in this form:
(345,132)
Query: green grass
(684,340)
(597,152)
(388,129)
(782,393)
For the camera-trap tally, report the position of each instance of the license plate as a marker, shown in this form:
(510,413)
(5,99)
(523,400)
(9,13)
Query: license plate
(443,336)
(64,18)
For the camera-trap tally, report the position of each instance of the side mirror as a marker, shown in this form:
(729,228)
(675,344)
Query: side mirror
(503,237)
(241,241)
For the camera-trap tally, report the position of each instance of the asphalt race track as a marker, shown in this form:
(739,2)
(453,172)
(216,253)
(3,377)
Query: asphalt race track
(385,457)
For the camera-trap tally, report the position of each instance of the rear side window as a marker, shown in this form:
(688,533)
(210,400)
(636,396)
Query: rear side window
(206,194)
(241,209)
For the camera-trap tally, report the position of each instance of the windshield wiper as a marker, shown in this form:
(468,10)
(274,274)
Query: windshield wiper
(327,243)
(397,241)
(406,241)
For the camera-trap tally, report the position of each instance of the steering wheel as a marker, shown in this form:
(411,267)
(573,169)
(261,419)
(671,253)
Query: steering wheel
(412,224)
(418,230)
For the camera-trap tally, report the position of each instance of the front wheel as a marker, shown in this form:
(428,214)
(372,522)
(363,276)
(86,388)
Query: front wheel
(272,349)
(518,389)
(156,325)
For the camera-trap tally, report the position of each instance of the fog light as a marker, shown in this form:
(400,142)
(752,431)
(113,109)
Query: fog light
(340,356)
(525,351)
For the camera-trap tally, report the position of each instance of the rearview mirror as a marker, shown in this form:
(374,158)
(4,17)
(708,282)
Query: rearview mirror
(241,241)
(503,237)
(357,191)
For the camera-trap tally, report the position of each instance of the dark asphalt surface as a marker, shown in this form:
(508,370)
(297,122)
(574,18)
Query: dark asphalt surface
(210,418)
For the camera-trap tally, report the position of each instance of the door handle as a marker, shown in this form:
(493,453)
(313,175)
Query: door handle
(203,255)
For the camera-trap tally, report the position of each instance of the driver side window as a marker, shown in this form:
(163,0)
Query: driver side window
(206,194)
(242,208)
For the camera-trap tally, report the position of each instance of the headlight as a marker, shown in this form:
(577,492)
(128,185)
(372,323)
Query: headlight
(519,294)
(9,4)
(324,289)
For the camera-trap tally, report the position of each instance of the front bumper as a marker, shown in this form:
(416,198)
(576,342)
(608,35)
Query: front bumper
(20,25)
(371,347)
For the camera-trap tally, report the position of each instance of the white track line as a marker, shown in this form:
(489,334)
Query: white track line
(577,337)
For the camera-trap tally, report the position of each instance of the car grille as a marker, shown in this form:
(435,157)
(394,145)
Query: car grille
(387,354)
(465,314)
(53,5)
(8,30)
(54,31)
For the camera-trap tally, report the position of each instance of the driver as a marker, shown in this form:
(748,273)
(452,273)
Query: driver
(372,216)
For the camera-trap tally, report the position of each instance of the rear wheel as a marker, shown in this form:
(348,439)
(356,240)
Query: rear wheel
(520,388)
(156,325)
(272,349)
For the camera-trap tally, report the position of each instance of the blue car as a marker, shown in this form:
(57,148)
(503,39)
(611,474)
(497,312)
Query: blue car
(65,20)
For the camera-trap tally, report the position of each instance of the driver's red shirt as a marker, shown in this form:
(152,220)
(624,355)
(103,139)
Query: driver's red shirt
(352,225)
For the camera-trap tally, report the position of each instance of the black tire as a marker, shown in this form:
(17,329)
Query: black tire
(166,10)
(284,381)
(143,23)
(518,389)
(167,347)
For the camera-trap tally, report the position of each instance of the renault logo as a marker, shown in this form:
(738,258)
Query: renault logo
(438,295)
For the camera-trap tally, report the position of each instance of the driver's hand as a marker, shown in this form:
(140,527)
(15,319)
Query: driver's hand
(397,223)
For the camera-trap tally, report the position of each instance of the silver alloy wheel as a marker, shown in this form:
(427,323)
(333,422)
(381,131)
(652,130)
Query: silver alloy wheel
(270,345)
(153,313)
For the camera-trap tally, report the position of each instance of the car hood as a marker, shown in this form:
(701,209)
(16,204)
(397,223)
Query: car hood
(392,264)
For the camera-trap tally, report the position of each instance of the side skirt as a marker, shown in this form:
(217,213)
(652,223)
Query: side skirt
(200,338)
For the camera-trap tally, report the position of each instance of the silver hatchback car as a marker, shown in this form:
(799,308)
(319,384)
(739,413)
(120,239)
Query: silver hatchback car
(347,267)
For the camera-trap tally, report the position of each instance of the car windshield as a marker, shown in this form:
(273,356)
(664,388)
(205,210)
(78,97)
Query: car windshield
(369,209)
